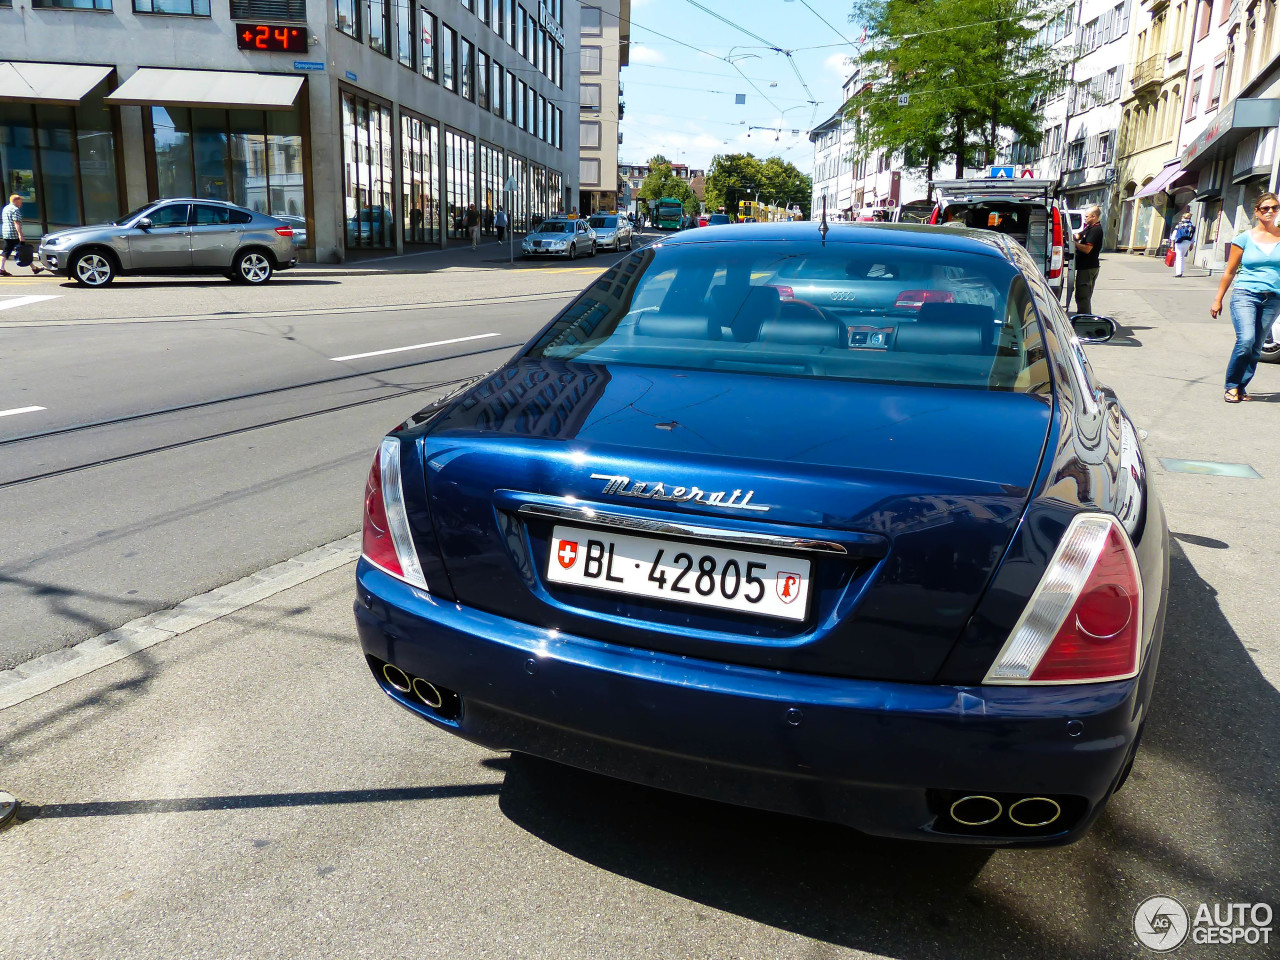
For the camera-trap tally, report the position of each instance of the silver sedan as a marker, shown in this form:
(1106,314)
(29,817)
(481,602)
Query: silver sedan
(613,232)
(180,236)
(560,237)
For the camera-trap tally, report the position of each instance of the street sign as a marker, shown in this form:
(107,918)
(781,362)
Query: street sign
(510,186)
(1001,173)
(1027,173)
(904,99)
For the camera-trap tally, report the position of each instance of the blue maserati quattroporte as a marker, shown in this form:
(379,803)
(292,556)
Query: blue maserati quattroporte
(834,522)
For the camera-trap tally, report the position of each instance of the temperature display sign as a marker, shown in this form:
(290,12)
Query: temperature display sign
(261,36)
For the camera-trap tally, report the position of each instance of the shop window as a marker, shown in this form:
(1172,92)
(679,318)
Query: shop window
(448,57)
(378,12)
(430,53)
(591,22)
(347,17)
(519,211)
(366,159)
(467,69)
(406,43)
(256,11)
(178,8)
(460,172)
(72,4)
(591,58)
(491,183)
(419,178)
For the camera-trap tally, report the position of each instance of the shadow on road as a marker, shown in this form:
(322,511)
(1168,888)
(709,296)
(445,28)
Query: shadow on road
(1196,820)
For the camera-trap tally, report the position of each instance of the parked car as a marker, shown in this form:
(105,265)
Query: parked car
(1025,210)
(299,225)
(560,237)
(613,231)
(175,236)
(718,219)
(704,537)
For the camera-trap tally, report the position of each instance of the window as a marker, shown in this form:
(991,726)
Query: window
(430,63)
(511,22)
(557,66)
(406,44)
(495,86)
(256,11)
(1224,10)
(591,22)
(1075,155)
(510,105)
(367,165)
(1202,24)
(448,56)
(72,4)
(377,12)
(590,97)
(521,96)
(467,70)
(419,175)
(500,17)
(209,215)
(589,171)
(460,172)
(184,8)
(1215,84)
(522,41)
(591,59)
(482,80)
(483,12)
(1193,99)
(529,116)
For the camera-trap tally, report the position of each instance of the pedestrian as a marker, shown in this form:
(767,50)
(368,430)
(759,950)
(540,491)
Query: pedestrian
(1184,235)
(473,225)
(1254,259)
(11,230)
(1088,246)
(500,221)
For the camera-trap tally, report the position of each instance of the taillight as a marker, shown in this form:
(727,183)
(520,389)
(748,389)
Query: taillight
(285,231)
(915,299)
(784,292)
(1084,621)
(1055,258)
(933,217)
(386,542)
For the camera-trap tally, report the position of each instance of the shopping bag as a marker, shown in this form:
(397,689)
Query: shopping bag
(23,255)
(1168,258)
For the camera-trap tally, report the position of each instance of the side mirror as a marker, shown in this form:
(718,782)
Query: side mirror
(1091,328)
(143,224)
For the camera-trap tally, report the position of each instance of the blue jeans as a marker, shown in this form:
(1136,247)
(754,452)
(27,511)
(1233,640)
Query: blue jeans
(1252,312)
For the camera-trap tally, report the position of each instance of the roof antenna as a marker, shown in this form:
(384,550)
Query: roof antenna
(822,227)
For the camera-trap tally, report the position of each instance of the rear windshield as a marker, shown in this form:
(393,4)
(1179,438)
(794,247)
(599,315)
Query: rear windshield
(718,218)
(848,311)
(603,221)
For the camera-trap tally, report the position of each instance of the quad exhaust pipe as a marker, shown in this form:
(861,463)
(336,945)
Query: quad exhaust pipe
(444,704)
(398,679)
(427,693)
(979,810)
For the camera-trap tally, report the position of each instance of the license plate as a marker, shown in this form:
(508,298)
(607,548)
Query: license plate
(694,573)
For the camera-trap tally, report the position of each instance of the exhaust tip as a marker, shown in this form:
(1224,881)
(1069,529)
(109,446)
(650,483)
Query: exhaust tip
(427,692)
(1034,811)
(976,810)
(397,678)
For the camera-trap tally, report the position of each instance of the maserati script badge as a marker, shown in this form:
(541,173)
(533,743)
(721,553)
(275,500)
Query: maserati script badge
(648,490)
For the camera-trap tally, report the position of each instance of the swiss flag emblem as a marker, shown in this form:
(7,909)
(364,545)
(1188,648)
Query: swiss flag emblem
(567,554)
(788,586)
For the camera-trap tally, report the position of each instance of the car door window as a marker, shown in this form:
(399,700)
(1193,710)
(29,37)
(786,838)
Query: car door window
(171,215)
(207,215)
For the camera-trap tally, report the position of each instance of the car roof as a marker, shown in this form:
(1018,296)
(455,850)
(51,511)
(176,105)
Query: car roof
(923,236)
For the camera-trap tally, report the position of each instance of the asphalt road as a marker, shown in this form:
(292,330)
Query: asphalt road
(245,791)
(195,431)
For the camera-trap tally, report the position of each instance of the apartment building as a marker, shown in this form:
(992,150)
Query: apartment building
(379,121)
(605,39)
(632,176)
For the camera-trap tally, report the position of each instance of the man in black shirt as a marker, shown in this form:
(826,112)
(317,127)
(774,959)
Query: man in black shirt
(1088,246)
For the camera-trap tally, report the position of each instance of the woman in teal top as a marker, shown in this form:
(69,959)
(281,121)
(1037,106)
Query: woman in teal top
(1255,257)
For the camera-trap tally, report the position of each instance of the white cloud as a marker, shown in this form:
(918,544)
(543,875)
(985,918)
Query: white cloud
(642,54)
(836,64)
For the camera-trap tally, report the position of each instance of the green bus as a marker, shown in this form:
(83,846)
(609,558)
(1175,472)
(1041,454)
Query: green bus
(667,214)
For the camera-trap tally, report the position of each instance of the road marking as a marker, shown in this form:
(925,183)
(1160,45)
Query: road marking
(415,346)
(23,301)
(17,410)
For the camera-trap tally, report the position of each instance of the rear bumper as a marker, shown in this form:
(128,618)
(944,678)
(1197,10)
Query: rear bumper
(873,755)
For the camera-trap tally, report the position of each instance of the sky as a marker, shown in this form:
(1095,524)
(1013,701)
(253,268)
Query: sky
(680,102)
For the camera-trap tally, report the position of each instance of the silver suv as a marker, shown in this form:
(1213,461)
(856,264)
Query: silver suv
(613,231)
(179,236)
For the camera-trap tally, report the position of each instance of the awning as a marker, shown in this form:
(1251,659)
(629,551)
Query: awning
(64,84)
(1232,124)
(1164,180)
(208,88)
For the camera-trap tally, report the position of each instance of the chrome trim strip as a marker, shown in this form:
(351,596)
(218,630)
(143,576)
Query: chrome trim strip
(590,515)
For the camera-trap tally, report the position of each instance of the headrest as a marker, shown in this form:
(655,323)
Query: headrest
(966,339)
(677,327)
(805,330)
(932,311)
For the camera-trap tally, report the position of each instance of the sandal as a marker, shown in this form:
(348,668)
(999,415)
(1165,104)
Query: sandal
(1232,396)
(1244,396)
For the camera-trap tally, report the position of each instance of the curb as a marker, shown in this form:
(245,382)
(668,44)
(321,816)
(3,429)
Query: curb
(54,669)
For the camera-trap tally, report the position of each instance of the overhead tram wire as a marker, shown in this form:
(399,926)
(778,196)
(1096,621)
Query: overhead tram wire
(913,35)
(827,22)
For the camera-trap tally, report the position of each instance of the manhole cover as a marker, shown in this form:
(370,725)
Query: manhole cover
(1211,468)
(8,809)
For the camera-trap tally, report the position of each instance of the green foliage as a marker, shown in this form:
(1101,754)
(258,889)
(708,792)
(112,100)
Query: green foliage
(662,182)
(966,88)
(741,176)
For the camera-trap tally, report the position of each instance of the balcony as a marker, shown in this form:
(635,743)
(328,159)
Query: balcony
(1150,72)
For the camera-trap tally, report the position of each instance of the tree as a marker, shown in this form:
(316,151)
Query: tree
(935,92)
(784,185)
(733,177)
(662,182)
